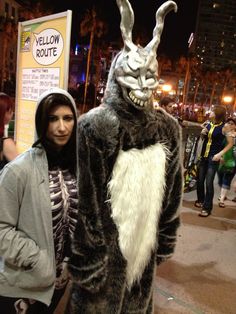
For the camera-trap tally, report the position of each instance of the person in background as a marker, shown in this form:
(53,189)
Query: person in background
(38,192)
(227,169)
(8,149)
(167,104)
(212,151)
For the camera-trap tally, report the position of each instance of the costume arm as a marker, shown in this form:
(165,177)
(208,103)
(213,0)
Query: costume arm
(16,248)
(170,219)
(88,263)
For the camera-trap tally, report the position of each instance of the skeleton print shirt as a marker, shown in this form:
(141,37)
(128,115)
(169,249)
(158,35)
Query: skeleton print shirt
(64,200)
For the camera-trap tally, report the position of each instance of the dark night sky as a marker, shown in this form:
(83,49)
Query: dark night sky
(177,29)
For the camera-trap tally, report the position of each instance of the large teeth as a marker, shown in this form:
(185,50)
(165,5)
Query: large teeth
(137,101)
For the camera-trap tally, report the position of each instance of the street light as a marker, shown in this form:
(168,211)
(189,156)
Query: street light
(166,88)
(227,99)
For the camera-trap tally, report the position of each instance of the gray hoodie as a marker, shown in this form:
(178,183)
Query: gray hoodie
(27,262)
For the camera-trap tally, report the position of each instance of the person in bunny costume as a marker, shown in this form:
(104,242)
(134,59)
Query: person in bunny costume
(130,184)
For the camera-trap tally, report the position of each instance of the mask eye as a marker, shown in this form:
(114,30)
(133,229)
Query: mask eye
(131,79)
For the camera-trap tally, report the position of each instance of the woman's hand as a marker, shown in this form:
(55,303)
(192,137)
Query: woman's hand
(204,131)
(216,157)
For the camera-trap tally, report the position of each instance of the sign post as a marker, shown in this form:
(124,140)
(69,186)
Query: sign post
(42,63)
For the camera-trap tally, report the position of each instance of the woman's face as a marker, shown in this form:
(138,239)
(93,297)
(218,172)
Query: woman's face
(60,127)
(231,125)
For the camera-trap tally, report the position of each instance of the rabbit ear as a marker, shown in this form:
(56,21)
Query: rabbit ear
(165,8)
(127,23)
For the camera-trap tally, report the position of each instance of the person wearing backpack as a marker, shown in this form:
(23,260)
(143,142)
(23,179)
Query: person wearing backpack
(8,149)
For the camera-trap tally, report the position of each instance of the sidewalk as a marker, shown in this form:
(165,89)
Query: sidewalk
(201,276)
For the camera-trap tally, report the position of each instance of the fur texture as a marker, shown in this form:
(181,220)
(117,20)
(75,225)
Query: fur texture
(134,188)
(98,267)
(130,187)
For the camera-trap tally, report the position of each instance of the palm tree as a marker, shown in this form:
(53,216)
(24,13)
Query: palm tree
(96,27)
(214,82)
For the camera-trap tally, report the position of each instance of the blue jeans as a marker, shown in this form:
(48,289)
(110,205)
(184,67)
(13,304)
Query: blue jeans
(225,178)
(205,182)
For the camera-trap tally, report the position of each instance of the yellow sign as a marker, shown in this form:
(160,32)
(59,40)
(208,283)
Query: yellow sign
(42,64)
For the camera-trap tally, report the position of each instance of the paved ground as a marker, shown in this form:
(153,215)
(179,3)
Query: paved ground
(201,276)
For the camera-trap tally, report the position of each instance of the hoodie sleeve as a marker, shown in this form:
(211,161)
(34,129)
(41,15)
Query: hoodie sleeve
(170,217)
(16,248)
(88,263)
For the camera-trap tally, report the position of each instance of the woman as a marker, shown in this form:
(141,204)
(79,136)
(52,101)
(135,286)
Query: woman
(38,193)
(8,149)
(212,151)
(226,170)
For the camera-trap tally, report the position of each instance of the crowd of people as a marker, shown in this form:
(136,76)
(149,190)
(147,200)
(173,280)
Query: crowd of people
(217,143)
(93,207)
(216,154)
(36,244)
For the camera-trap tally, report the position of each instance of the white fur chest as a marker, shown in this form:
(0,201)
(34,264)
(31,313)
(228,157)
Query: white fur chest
(136,192)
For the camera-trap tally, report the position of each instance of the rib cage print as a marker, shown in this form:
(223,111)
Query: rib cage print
(64,201)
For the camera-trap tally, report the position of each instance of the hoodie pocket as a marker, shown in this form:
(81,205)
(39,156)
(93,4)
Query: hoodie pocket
(42,275)
(9,275)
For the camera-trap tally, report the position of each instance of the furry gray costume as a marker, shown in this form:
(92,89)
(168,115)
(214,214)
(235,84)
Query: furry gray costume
(130,185)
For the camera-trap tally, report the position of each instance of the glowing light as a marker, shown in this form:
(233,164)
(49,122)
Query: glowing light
(166,88)
(227,99)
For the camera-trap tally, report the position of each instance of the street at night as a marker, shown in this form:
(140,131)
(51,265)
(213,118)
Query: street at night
(117,157)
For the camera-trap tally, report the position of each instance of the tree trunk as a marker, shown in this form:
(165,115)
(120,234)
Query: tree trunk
(186,83)
(212,94)
(88,60)
(195,92)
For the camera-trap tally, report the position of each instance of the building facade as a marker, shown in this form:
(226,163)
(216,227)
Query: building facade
(215,36)
(9,16)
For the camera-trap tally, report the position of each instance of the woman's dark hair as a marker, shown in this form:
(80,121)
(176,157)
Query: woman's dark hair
(220,114)
(66,158)
(6,104)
